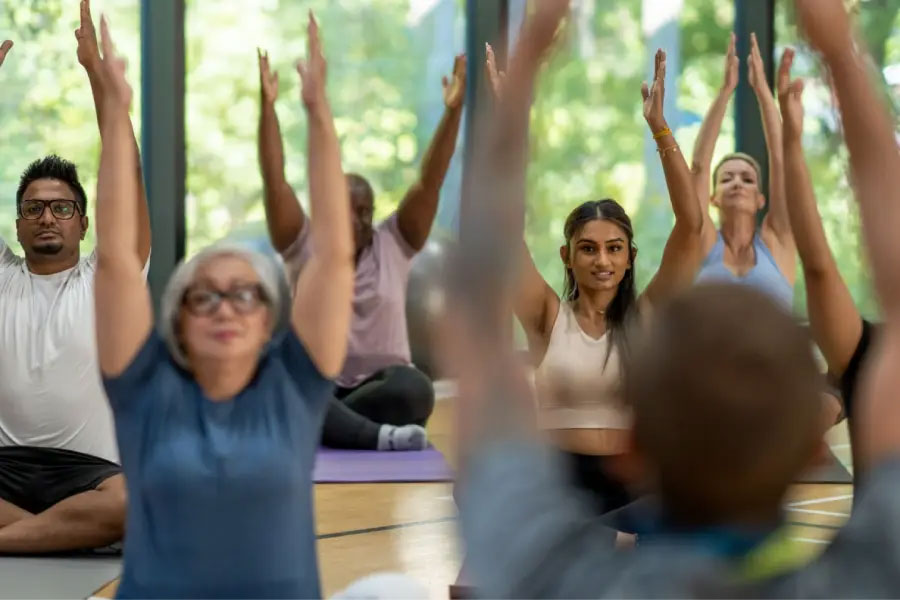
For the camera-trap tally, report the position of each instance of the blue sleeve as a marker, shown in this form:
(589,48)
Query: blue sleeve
(528,534)
(124,389)
(315,387)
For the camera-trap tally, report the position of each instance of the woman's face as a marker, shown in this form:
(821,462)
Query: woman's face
(737,187)
(598,255)
(224,315)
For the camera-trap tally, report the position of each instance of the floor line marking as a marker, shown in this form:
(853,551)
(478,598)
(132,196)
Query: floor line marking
(337,534)
(812,511)
(821,500)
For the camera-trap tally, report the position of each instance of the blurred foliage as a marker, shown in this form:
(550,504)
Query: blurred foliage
(589,138)
(45,99)
(386,58)
(385,63)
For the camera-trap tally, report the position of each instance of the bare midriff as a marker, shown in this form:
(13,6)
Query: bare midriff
(595,442)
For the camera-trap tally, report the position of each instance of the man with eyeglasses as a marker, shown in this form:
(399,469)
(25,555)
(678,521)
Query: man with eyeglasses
(61,486)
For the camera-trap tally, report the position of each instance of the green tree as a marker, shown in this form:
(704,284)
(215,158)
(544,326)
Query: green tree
(45,104)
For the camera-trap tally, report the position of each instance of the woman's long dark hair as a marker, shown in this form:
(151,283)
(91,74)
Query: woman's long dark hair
(621,310)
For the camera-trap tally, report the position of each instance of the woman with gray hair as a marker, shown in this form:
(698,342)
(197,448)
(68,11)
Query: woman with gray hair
(218,415)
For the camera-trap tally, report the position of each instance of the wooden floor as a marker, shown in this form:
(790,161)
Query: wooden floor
(410,528)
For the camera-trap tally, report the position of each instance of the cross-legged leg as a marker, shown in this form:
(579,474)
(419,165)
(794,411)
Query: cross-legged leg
(10,513)
(90,519)
(386,412)
(398,395)
(345,428)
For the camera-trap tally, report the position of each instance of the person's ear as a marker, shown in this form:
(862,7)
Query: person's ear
(85,222)
(564,255)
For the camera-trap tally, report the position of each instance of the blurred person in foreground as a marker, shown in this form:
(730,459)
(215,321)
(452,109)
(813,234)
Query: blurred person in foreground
(720,445)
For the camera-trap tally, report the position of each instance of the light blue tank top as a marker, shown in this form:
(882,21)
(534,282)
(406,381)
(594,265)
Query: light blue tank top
(765,275)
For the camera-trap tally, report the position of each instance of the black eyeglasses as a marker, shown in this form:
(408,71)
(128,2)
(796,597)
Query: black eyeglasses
(204,302)
(63,210)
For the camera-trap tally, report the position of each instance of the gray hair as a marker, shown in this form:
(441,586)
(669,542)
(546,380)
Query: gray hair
(170,310)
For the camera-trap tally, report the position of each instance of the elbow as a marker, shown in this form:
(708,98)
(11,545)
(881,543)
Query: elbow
(690,222)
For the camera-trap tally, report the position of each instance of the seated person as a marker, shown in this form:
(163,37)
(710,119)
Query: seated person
(382,401)
(740,252)
(61,486)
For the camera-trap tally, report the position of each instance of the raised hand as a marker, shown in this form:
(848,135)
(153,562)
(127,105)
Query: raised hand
(268,81)
(756,68)
(455,86)
(495,77)
(112,69)
(86,34)
(654,95)
(314,69)
(729,84)
(790,97)
(825,24)
(5,47)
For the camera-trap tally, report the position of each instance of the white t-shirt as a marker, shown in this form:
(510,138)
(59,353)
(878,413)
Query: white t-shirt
(51,394)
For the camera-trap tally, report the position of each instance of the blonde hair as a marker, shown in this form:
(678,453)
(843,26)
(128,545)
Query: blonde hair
(184,274)
(739,156)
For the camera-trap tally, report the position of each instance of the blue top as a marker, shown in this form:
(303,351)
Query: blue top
(219,493)
(765,275)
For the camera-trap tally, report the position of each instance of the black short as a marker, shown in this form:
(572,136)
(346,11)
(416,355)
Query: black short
(850,377)
(34,479)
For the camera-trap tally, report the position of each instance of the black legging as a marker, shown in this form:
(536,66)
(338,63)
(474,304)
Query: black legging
(590,473)
(398,395)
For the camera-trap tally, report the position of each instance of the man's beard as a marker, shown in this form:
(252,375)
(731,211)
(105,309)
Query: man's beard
(47,248)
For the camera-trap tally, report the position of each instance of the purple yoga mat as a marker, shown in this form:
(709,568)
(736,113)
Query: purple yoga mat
(369,466)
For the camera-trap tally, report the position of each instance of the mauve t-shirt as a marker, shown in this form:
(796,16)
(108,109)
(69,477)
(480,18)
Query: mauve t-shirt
(378,335)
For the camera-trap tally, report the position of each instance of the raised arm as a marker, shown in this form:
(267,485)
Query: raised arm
(705,146)
(875,168)
(284,215)
(5,47)
(123,311)
(484,276)
(5,252)
(89,57)
(682,254)
(416,213)
(322,301)
(776,220)
(536,304)
(835,323)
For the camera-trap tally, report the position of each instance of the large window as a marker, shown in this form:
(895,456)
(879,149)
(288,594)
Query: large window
(385,62)
(589,137)
(826,154)
(45,98)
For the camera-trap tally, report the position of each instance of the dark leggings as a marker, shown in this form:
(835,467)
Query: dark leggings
(589,473)
(398,395)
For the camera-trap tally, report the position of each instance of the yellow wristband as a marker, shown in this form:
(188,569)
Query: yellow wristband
(662,133)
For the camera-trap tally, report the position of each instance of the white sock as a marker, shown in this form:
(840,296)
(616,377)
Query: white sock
(405,437)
